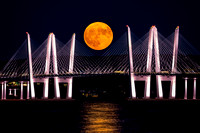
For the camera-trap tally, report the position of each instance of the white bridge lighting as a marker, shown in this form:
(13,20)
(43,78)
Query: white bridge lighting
(141,59)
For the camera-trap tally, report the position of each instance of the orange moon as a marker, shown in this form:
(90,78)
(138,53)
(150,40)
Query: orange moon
(98,35)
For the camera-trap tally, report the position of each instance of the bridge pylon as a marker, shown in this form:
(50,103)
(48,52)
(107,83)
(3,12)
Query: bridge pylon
(131,73)
(51,44)
(30,68)
(51,47)
(172,78)
(69,80)
(153,43)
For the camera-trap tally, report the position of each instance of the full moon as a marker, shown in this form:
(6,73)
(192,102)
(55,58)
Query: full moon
(98,35)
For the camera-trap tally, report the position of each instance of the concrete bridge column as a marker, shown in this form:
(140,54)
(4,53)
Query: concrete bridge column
(159,87)
(15,92)
(46,88)
(4,90)
(69,90)
(28,89)
(194,89)
(185,97)
(21,96)
(147,87)
(173,87)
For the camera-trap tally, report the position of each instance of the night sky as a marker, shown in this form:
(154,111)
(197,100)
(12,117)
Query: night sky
(64,17)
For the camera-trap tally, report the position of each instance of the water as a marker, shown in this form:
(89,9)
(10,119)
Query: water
(73,116)
(100,117)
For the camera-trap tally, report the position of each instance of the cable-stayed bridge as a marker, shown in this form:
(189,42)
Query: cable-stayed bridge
(153,54)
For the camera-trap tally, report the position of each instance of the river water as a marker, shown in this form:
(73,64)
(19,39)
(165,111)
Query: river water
(135,116)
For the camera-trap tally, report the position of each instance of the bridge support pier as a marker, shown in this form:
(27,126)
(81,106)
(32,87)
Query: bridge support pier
(147,87)
(69,88)
(2,87)
(147,80)
(21,96)
(185,96)
(172,79)
(4,91)
(15,92)
(46,88)
(159,87)
(56,88)
(173,87)
(59,80)
(28,90)
(194,89)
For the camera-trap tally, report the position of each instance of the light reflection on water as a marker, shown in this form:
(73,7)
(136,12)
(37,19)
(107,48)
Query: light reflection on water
(101,117)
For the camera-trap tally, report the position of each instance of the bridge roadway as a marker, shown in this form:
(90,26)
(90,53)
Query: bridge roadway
(66,75)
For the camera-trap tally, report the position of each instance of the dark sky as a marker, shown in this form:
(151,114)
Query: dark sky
(65,17)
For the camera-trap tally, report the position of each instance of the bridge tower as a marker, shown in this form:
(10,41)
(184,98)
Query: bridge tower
(51,47)
(172,78)
(30,68)
(174,64)
(71,66)
(157,62)
(69,80)
(131,73)
(153,41)
(51,44)
(149,61)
